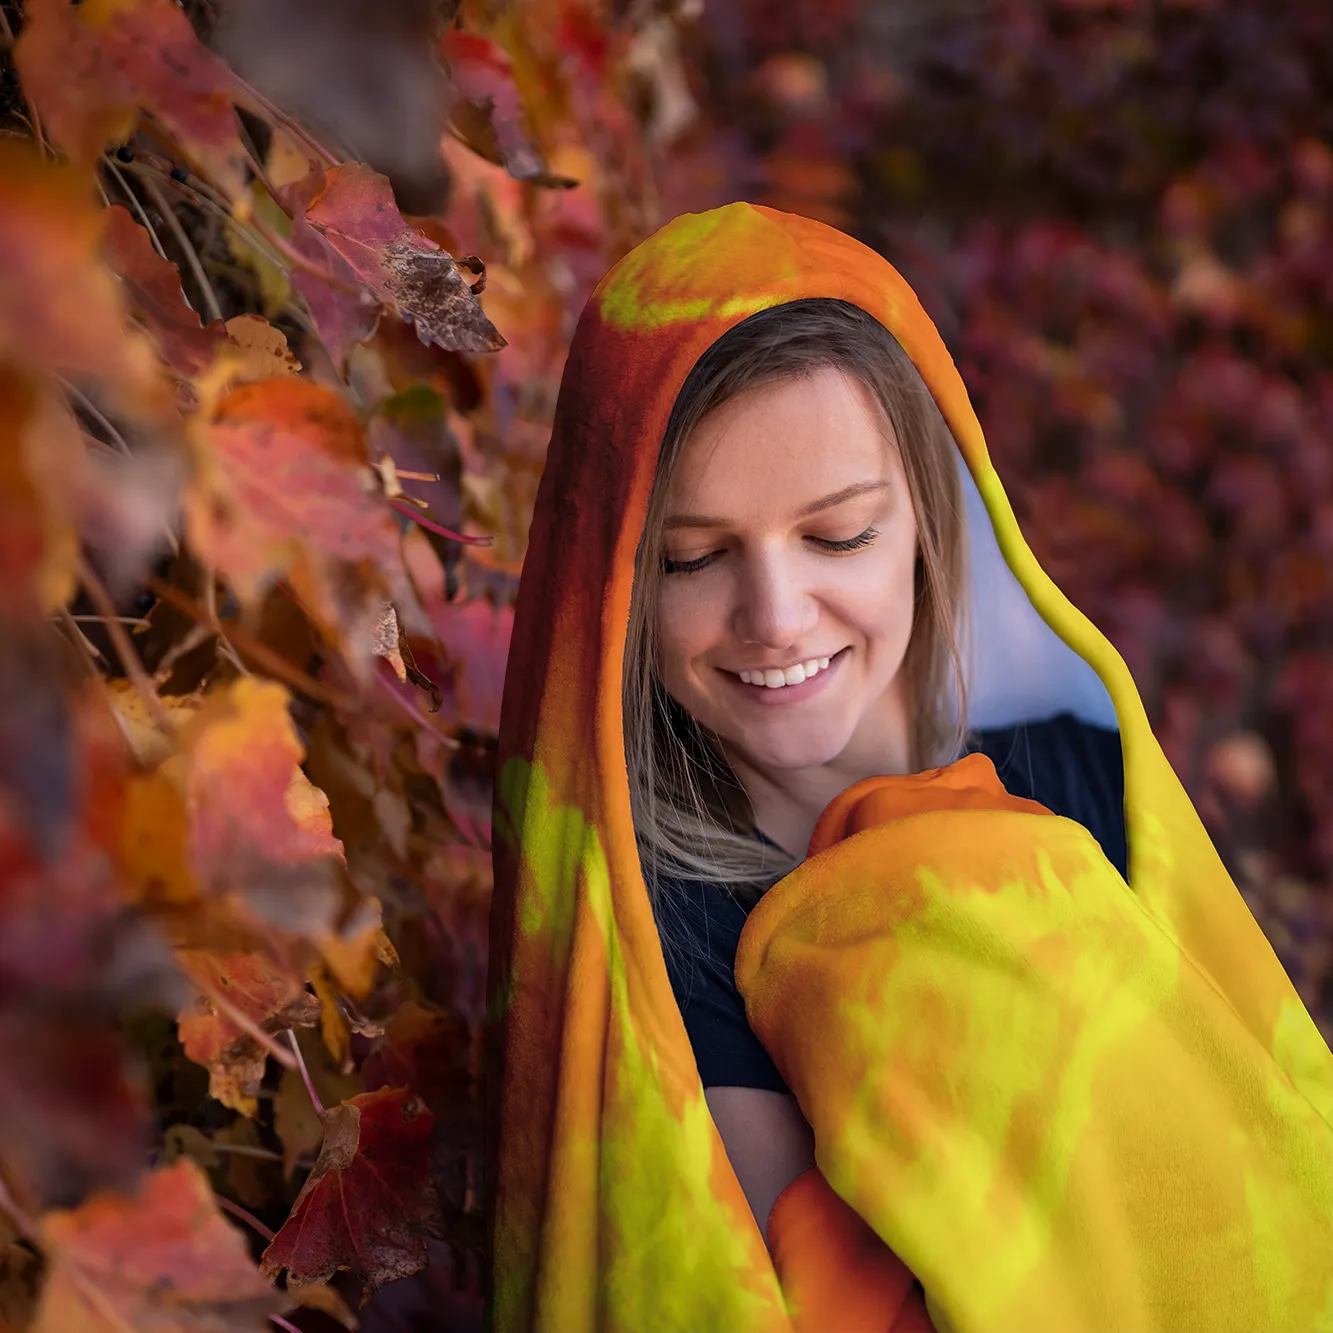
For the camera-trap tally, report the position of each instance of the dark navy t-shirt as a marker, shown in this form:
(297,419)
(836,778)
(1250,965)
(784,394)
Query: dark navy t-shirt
(1072,768)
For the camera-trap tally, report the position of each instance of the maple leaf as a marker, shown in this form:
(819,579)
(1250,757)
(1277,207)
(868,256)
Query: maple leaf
(375,1158)
(285,489)
(162,1260)
(153,285)
(89,69)
(488,112)
(63,309)
(356,226)
(272,997)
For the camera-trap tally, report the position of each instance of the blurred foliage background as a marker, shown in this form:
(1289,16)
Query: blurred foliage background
(1118,212)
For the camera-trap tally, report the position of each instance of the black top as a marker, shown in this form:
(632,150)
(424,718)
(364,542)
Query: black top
(1072,768)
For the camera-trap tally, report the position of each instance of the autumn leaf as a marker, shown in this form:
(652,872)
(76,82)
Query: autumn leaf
(89,69)
(377,1153)
(162,1260)
(361,231)
(285,489)
(488,112)
(255,350)
(272,997)
(153,285)
(63,309)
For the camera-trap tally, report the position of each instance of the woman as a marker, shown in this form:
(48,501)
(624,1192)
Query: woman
(1058,1087)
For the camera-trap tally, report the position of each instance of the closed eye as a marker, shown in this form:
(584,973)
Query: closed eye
(851,543)
(861,539)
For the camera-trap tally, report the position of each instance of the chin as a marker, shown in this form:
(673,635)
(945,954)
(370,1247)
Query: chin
(790,752)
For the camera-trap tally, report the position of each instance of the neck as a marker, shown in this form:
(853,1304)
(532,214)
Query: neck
(787,802)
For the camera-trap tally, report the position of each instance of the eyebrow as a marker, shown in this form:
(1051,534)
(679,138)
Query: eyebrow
(814,507)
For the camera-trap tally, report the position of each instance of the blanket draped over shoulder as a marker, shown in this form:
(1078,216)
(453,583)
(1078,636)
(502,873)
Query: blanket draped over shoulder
(1060,1100)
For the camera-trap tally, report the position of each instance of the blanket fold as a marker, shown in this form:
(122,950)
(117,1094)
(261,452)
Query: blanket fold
(1027,1087)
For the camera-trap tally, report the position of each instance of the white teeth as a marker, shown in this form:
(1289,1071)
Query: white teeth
(775,678)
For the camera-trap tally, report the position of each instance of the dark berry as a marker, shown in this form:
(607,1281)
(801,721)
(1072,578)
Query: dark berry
(125,153)
(179,174)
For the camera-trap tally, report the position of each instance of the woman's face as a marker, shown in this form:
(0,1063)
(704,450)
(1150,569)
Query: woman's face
(790,547)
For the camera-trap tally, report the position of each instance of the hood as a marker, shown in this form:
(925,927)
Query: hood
(614,1202)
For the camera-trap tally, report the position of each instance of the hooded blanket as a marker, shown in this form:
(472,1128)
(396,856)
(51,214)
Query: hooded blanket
(1064,1100)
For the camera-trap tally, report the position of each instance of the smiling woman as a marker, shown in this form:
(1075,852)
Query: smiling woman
(827,993)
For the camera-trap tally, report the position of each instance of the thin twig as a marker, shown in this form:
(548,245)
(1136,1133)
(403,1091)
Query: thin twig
(260,652)
(101,620)
(129,659)
(187,248)
(305,1073)
(20,1219)
(286,121)
(247,1024)
(247,1150)
(285,1324)
(110,162)
(248,1218)
(87,649)
(431,526)
(33,118)
(98,416)
(260,174)
(224,647)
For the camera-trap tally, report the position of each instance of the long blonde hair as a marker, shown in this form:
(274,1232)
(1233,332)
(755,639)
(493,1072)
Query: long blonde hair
(692,819)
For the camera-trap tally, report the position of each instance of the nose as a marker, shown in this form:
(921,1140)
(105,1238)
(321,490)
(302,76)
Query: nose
(774,608)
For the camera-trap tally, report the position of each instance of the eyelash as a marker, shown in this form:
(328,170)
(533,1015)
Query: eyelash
(851,544)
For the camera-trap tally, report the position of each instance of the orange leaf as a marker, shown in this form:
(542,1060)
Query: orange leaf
(286,484)
(63,309)
(270,996)
(153,285)
(369,1202)
(355,218)
(87,70)
(160,1261)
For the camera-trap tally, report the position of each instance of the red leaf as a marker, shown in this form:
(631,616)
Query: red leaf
(163,1259)
(290,493)
(88,70)
(490,114)
(369,1202)
(63,309)
(358,223)
(153,285)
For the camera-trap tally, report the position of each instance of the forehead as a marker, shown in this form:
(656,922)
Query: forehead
(788,440)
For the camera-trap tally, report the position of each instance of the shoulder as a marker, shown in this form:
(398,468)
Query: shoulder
(1071,767)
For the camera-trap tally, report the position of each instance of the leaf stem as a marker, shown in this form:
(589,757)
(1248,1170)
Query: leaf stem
(247,1024)
(305,1073)
(120,640)
(240,1213)
(431,526)
(286,1325)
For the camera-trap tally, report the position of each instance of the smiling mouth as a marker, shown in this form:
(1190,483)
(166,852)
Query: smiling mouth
(797,674)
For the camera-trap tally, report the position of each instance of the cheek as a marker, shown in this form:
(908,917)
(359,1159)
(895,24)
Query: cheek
(684,626)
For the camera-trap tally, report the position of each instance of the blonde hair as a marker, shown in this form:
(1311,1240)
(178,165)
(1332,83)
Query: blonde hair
(692,819)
